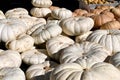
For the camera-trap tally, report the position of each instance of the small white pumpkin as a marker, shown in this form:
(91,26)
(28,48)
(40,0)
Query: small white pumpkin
(21,44)
(11,28)
(45,32)
(85,50)
(74,26)
(34,56)
(12,73)
(10,58)
(107,38)
(16,12)
(41,3)
(40,12)
(54,45)
(74,71)
(61,13)
(40,71)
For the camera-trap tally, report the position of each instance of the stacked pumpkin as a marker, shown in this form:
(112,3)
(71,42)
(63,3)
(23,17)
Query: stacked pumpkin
(58,44)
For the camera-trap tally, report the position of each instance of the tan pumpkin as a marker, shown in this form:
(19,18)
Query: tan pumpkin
(107,38)
(40,12)
(12,73)
(10,58)
(41,3)
(116,12)
(74,26)
(11,28)
(111,25)
(61,13)
(80,12)
(34,56)
(75,71)
(45,32)
(21,44)
(40,71)
(53,7)
(84,50)
(96,11)
(54,45)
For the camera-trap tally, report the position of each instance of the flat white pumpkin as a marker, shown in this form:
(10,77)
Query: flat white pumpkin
(10,58)
(45,32)
(74,71)
(12,73)
(61,13)
(40,71)
(11,28)
(40,12)
(21,44)
(41,3)
(75,26)
(54,45)
(2,15)
(107,38)
(84,50)
(34,56)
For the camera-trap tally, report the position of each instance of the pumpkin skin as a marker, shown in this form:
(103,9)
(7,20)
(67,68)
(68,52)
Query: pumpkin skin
(76,25)
(45,32)
(54,45)
(40,71)
(74,71)
(16,12)
(2,15)
(41,3)
(11,28)
(61,13)
(115,60)
(21,44)
(80,12)
(116,12)
(87,50)
(40,12)
(12,73)
(34,56)
(111,25)
(107,38)
(10,58)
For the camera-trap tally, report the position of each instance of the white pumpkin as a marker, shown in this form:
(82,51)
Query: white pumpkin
(11,28)
(10,58)
(40,12)
(41,3)
(45,32)
(54,45)
(12,73)
(61,13)
(107,38)
(74,71)
(85,50)
(21,44)
(74,26)
(16,12)
(2,15)
(34,56)
(40,71)
(115,60)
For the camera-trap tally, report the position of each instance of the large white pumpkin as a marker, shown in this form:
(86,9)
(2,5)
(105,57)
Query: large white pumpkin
(76,25)
(84,50)
(74,71)
(107,38)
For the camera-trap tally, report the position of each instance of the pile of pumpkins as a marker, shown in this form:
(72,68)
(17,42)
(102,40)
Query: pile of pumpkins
(59,44)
